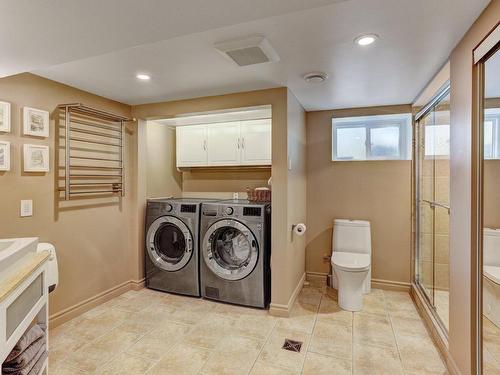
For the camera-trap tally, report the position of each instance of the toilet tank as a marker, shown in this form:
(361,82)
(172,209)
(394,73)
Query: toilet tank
(352,236)
(491,247)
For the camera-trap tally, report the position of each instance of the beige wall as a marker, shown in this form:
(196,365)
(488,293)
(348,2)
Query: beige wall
(163,179)
(461,341)
(281,261)
(219,183)
(90,235)
(378,191)
(297,187)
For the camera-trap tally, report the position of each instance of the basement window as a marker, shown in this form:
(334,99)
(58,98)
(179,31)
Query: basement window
(384,137)
(492,134)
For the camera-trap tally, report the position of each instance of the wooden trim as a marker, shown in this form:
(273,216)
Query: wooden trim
(281,310)
(476,218)
(438,337)
(88,304)
(489,41)
(397,286)
(321,279)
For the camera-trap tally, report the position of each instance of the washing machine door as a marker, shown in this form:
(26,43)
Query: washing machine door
(169,243)
(230,249)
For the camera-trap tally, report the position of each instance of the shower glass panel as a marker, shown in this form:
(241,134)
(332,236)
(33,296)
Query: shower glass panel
(433,207)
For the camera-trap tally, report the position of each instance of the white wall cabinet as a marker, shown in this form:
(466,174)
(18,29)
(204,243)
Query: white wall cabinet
(191,146)
(237,143)
(255,142)
(223,141)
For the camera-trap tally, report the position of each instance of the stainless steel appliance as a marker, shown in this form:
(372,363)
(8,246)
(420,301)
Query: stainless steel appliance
(235,261)
(172,256)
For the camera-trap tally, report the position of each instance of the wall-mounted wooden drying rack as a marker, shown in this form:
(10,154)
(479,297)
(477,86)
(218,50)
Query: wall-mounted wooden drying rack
(94,151)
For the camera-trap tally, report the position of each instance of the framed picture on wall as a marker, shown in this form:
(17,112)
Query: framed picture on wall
(35,122)
(36,158)
(4,117)
(4,156)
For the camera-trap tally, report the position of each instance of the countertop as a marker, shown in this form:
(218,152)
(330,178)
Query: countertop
(21,271)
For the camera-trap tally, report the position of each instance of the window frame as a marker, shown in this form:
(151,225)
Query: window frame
(403,121)
(493,115)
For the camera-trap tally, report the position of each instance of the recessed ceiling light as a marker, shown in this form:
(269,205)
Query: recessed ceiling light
(315,77)
(143,77)
(365,40)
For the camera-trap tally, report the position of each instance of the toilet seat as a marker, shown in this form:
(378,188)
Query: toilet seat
(492,273)
(350,262)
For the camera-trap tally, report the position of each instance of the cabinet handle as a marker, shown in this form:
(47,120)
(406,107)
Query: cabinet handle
(238,143)
(205,145)
(242,142)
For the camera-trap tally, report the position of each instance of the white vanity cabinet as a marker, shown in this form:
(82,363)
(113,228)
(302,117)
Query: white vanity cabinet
(24,300)
(235,143)
(191,146)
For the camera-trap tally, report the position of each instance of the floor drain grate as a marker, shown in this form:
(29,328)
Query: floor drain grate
(292,345)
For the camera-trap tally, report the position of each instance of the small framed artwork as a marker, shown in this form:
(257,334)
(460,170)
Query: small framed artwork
(4,156)
(35,122)
(36,158)
(4,117)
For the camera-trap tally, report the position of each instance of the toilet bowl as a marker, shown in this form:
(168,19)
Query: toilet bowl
(351,262)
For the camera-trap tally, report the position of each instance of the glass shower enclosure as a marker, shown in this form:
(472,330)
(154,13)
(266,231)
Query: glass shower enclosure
(432,194)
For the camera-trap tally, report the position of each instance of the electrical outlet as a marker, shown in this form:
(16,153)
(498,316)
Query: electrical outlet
(26,208)
(236,196)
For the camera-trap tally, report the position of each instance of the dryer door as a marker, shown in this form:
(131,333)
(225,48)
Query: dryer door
(230,249)
(169,243)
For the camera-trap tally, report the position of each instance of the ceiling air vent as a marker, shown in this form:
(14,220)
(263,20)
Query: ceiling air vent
(248,51)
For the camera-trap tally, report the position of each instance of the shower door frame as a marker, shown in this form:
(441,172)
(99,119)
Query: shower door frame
(419,290)
(483,51)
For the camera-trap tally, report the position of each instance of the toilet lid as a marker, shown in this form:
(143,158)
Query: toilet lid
(350,261)
(492,273)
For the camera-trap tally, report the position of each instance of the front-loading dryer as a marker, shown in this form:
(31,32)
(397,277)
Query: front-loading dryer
(172,256)
(235,251)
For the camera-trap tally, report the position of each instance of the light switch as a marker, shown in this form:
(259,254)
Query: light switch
(26,208)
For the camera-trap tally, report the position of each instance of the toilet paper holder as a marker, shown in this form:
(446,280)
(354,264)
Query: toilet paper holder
(299,229)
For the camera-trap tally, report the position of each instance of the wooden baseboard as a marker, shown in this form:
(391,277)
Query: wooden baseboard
(281,310)
(438,336)
(88,304)
(321,279)
(317,279)
(397,286)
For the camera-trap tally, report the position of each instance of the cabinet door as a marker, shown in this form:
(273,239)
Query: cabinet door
(191,146)
(256,142)
(224,143)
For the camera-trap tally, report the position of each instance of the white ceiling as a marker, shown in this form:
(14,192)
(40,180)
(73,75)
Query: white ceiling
(99,46)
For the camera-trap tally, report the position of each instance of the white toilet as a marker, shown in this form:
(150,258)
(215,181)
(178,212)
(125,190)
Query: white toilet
(351,262)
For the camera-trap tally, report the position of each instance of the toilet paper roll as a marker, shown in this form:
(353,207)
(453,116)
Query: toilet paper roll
(299,229)
(53,271)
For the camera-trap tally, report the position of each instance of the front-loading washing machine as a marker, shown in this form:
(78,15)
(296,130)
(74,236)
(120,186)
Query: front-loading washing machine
(235,261)
(172,256)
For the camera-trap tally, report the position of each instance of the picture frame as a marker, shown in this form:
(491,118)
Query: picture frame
(4,117)
(36,122)
(36,158)
(4,156)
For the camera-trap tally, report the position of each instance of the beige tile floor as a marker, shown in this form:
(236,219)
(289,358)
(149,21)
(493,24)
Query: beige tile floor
(491,348)
(152,333)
